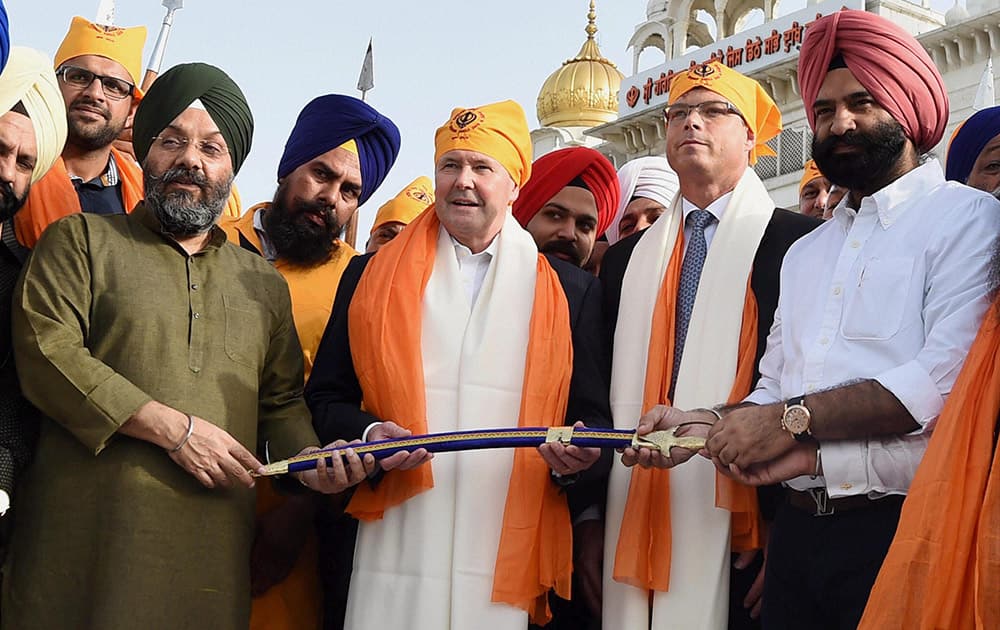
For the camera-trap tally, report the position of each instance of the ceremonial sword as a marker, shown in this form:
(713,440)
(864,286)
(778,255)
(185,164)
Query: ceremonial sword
(518,437)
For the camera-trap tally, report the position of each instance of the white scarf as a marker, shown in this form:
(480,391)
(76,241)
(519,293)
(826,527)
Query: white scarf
(699,572)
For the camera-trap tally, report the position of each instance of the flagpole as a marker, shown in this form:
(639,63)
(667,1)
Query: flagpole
(365,82)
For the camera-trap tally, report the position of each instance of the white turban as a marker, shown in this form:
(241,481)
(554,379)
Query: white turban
(647,177)
(30,80)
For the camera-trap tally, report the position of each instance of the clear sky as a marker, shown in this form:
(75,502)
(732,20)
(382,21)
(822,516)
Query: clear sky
(430,57)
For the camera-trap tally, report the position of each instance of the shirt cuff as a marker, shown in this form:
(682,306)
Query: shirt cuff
(761,397)
(915,389)
(4,502)
(364,434)
(845,467)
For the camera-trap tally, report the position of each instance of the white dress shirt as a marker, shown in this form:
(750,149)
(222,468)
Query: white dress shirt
(894,291)
(473,267)
(717,208)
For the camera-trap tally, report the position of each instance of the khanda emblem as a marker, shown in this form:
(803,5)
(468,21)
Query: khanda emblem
(467,120)
(419,194)
(705,73)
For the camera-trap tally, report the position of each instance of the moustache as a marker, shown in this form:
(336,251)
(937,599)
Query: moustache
(182,175)
(558,246)
(84,101)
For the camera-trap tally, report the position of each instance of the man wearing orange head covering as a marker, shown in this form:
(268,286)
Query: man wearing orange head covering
(569,202)
(99,69)
(877,310)
(817,195)
(459,323)
(396,214)
(689,301)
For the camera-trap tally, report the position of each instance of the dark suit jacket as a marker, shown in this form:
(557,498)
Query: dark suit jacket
(782,230)
(334,394)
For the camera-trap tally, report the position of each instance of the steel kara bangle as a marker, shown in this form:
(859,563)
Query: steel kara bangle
(187,436)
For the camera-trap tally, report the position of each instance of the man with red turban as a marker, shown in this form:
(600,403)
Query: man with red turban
(569,202)
(876,312)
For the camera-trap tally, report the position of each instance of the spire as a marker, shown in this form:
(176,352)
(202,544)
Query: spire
(591,21)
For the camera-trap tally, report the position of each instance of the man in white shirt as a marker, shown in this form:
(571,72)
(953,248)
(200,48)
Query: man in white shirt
(877,310)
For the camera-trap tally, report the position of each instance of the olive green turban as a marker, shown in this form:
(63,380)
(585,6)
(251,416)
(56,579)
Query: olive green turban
(176,89)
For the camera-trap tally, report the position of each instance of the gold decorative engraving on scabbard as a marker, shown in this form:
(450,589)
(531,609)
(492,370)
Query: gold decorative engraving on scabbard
(663,441)
(563,435)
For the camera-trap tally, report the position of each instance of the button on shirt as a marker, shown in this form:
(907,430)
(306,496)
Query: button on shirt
(894,292)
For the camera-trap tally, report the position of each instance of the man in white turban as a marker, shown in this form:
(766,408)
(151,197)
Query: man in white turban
(32,133)
(648,186)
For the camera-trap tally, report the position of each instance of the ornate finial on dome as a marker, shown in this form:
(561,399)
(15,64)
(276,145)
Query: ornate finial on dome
(583,92)
(591,21)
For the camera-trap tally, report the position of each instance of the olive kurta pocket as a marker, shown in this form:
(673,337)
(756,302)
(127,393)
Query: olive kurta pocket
(244,330)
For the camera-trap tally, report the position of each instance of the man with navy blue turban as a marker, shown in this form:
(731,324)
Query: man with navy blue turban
(974,151)
(337,155)
(4,36)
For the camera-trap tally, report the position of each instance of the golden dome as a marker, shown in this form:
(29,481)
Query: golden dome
(584,91)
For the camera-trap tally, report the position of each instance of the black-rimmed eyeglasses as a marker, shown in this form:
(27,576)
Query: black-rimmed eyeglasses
(114,88)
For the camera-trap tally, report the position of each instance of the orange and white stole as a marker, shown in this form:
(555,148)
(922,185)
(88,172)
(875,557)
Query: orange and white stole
(386,328)
(669,533)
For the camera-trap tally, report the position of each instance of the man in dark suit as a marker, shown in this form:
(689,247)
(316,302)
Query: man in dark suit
(689,302)
(459,324)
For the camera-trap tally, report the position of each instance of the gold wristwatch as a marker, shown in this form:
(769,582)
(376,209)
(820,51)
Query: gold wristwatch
(796,418)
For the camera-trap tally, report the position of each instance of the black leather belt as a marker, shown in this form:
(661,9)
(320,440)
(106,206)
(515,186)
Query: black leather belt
(816,502)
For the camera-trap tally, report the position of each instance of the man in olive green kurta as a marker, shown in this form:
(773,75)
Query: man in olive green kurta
(127,329)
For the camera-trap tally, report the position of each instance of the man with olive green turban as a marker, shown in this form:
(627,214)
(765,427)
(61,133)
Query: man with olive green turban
(164,362)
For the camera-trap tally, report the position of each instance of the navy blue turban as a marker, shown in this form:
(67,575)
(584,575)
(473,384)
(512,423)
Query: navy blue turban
(329,121)
(968,142)
(4,36)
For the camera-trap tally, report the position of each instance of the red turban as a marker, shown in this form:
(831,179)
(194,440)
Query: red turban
(889,62)
(554,171)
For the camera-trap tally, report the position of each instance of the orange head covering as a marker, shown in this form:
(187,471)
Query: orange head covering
(809,172)
(409,203)
(498,130)
(757,108)
(123,45)
(889,62)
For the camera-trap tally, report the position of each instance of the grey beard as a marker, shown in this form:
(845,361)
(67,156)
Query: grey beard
(179,214)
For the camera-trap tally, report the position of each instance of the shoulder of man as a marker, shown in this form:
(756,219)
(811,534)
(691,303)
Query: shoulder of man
(788,224)
(574,280)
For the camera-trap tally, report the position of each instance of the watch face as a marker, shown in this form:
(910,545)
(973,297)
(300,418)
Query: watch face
(797,419)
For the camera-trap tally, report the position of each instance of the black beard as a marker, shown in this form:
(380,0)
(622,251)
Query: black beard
(868,169)
(9,202)
(558,246)
(92,139)
(295,237)
(178,212)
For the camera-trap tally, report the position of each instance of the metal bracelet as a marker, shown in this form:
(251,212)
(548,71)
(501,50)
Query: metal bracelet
(714,412)
(819,451)
(187,436)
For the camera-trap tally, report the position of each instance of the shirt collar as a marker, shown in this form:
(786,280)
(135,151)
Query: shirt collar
(891,202)
(461,251)
(717,207)
(265,243)
(147,217)
(108,179)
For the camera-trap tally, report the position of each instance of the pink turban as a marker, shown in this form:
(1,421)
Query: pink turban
(888,61)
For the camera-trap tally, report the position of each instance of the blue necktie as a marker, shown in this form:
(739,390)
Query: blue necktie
(694,260)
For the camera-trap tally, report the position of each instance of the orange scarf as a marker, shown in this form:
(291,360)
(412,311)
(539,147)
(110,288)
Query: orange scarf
(645,536)
(943,568)
(54,197)
(535,551)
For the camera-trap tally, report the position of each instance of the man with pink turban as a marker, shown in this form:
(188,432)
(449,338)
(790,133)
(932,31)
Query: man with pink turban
(876,312)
